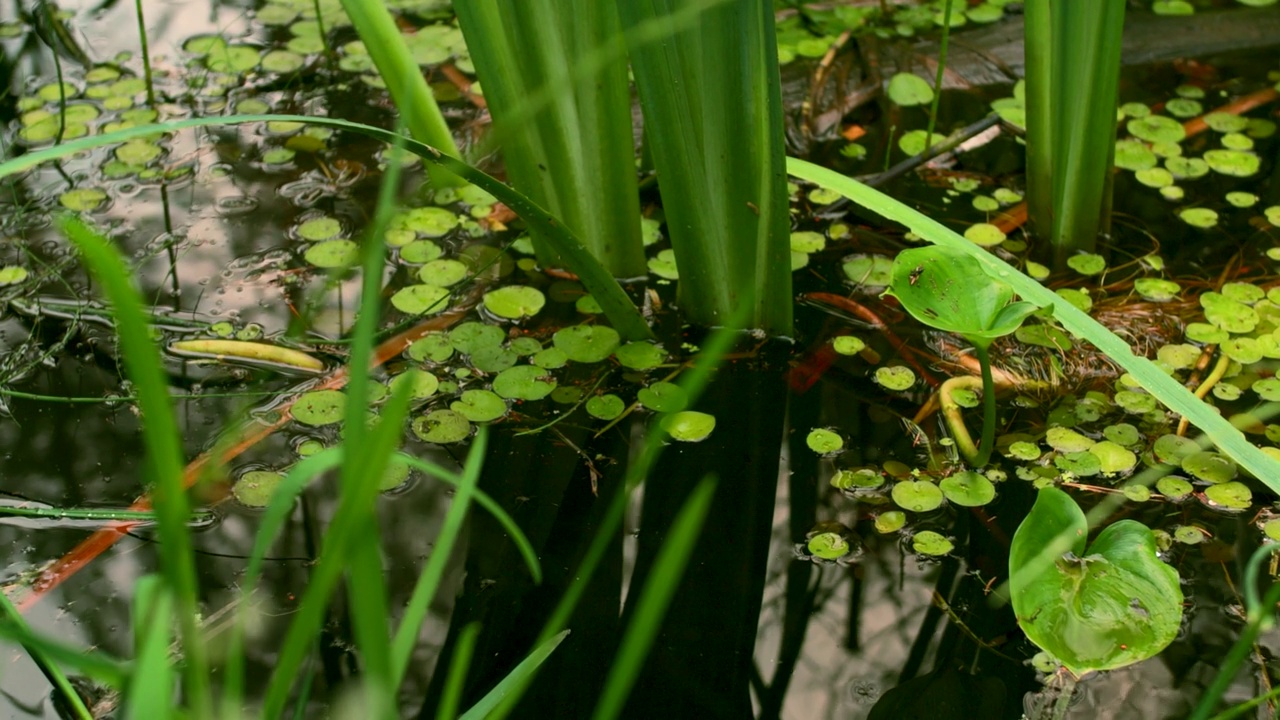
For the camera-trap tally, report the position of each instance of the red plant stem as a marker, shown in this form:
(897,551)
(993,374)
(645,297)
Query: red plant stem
(804,375)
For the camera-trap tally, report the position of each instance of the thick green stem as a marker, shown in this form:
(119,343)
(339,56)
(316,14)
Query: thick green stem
(954,417)
(988,407)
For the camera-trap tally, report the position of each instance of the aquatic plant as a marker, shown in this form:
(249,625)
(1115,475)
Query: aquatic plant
(949,290)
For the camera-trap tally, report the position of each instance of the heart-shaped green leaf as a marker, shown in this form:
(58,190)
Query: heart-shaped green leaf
(1110,606)
(948,290)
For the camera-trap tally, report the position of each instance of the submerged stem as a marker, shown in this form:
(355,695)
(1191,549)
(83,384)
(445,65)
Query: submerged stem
(1065,693)
(988,407)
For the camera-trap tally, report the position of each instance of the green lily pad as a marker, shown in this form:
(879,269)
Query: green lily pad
(1156,128)
(605,407)
(1174,487)
(1183,107)
(1080,464)
(442,427)
(664,265)
(471,337)
(321,407)
(824,441)
(427,221)
(928,542)
(1199,217)
(640,355)
(321,228)
(1210,466)
(550,358)
(514,301)
(890,521)
(587,343)
(444,272)
(915,142)
(479,406)
(422,384)
(418,251)
(871,271)
(895,377)
(1184,168)
(332,254)
(435,347)
(138,152)
(1236,163)
(1154,177)
(12,275)
(848,345)
(1268,389)
(524,382)
(917,495)
(1156,289)
(984,234)
(968,488)
(421,299)
(829,545)
(232,59)
(395,475)
(1114,458)
(807,241)
(82,199)
(865,478)
(1087,263)
(1135,155)
(1230,495)
(908,89)
(254,488)
(689,425)
(1066,440)
(663,397)
(1104,607)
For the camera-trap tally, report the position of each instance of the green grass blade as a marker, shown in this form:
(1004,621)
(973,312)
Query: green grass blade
(404,79)
(668,568)
(424,589)
(95,664)
(164,451)
(518,677)
(45,662)
(1038,91)
(595,277)
(151,689)
(712,103)
(575,156)
(456,680)
(1165,389)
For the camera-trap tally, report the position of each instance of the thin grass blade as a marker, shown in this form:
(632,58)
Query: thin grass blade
(43,660)
(454,683)
(518,677)
(151,689)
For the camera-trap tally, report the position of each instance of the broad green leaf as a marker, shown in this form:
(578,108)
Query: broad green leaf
(1107,606)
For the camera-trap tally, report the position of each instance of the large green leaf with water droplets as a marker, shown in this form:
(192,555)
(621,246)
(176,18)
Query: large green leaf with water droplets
(1107,606)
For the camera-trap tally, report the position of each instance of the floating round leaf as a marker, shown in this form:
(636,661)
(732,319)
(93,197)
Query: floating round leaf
(1210,466)
(1081,464)
(1174,487)
(1189,535)
(442,426)
(255,487)
(865,478)
(524,382)
(1066,440)
(1156,289)
(523,346)
(1156,128)
(470,337)
(605,407)
(419,251)
(663,397)
(12,275)
(640,355)
(824,441)
(664,265)
(479,406)
(984,234)
(587,305)
(1023,450)
(848,345)
(1241,199)
(1155,177)
(82,199)
(890,521)
(422,384)
(321,228)
(928,542)
(420,299)
(1094,608)
(872,271)
(1236,163)
(1122,434)
(587,343)
(332,254)
(282,61)
(1135,402)
(395,475)
(1186,168)
(985,204)
(1244,350)
(513,301)
(1271,529)
(968,488)
(807,241)
(689,425)
(895,377)
(1231,495)
(909,89)
(321,407)
(1135,155)
(1113,457)
(232,58)
(1183,107)
(917,495)
(444,273)
(1199,217)
(551,358)
(435,347)
(915,142)
(828,546)
(1268,389)
(428,221)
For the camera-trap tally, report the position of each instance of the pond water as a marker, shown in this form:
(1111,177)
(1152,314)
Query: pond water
(225,228)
